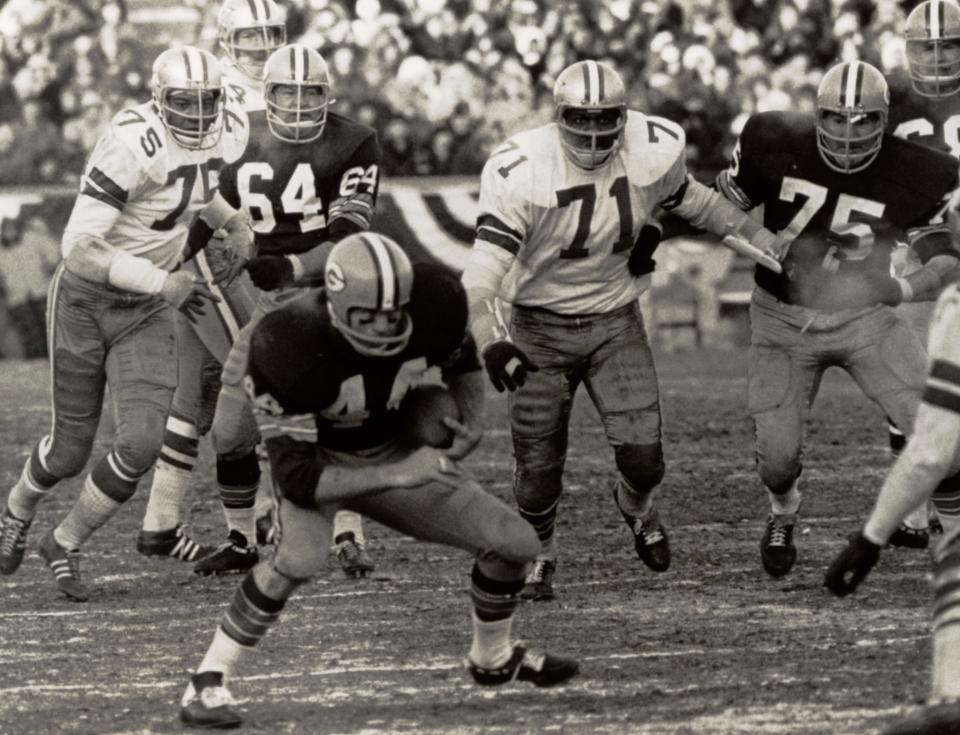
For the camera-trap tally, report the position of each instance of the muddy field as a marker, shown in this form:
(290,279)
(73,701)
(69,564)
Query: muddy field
(711,646)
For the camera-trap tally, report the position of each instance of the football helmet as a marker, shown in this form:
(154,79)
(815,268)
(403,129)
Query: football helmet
(932,33)
(853,100)
(188,93)
(296,90)
(249,31)
(369,271)
(590,104)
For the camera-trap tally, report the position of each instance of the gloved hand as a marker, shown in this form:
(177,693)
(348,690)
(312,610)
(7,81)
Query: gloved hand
(852,565)
(225,264)
(641,257)
(507,365)
(270,272)
(183,291)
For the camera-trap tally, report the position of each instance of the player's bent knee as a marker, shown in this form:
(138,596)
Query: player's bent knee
(276,583)
(139,452)
(494,566)
(779,478)
(537,488)
(641,464)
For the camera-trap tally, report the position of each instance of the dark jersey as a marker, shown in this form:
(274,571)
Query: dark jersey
(301,194)
(301,364)
(842,226)
(933,122)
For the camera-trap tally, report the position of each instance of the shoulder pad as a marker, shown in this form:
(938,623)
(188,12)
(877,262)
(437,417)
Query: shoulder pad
(651,145)
(141,131)
(524,158)
(236,132)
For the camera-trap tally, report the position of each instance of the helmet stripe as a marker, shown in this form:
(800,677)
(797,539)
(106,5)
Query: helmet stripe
(299,63)
(293,63)
(252,4)
(600,91)
(388,286)
(188,65)
(850,83)
(259,10)
(594,97)
(586,81)
(934,13)
(203,68)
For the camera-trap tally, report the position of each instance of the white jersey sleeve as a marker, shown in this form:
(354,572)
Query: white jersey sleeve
(141,189)
(570,230)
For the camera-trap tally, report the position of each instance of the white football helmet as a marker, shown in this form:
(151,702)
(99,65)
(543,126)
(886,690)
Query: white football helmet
(369,271)
(188,93)
(858,92)
(590,102)
(249,31)
(932,33)
(296,90)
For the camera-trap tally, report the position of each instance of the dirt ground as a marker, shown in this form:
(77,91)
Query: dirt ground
(711,646)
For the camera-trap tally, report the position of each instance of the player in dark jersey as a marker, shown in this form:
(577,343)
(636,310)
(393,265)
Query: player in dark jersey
(841,192)
(925,108)
(339,364)
(307,179)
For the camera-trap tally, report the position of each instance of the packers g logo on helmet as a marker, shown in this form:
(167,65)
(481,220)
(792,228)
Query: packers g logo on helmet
(590,105)
(932,34)
(853,100)
(369,271)
(296,90)
(249,31)
(188,93)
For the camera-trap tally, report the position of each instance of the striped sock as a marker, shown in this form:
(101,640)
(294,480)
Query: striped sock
(346,521)
(543,521)
(171,477)
(92,509)
(251,614)
(31,487)
(494,602)
(946,623)
(237,481)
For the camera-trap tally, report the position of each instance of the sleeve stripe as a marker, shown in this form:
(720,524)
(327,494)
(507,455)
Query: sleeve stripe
(488,220)
(111,187)
(100,196)
(941,399)
(728,187)
(673,201)
(945,371)
(499,239)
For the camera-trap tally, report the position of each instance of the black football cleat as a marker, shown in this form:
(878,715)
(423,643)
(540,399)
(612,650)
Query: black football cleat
(540,669)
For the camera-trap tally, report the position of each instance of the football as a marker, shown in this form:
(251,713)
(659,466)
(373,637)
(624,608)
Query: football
(421,416)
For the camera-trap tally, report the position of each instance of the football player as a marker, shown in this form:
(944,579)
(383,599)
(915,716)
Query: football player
(248,32)
(327,373)
(925,108)
(561,208)
(843,193)
(308,178)
(113,298)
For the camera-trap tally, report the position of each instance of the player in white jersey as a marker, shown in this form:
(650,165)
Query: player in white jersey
(929,465)
(248,31)
(562,207)
(113,298)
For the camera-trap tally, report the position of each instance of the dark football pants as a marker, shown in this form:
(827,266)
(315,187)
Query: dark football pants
(100,335)
(610,355)
(790,348)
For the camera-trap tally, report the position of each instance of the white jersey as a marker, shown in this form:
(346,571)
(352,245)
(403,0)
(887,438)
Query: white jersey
(571,230)
(242,91)
(141,189)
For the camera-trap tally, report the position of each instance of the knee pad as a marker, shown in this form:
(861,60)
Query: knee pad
(238,471)
(641,464)
(537,488)
(779,479)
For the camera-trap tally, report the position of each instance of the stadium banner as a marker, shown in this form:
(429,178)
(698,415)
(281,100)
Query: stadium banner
(431,218)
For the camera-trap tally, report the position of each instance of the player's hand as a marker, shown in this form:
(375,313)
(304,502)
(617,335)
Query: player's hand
(852,565)
(183,291)
(641,259)
(225,263)
(507,365)
(465,438)
(424,466)
(270,272)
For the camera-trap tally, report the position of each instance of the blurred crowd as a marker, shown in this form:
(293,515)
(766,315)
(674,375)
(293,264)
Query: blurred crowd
(441,80)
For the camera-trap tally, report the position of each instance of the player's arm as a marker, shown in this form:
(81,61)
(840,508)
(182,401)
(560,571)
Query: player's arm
(350,211)
(932,241)
(111,178)
(464,378)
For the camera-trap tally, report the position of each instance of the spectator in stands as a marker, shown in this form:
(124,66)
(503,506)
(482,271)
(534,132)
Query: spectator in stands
(28,256)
